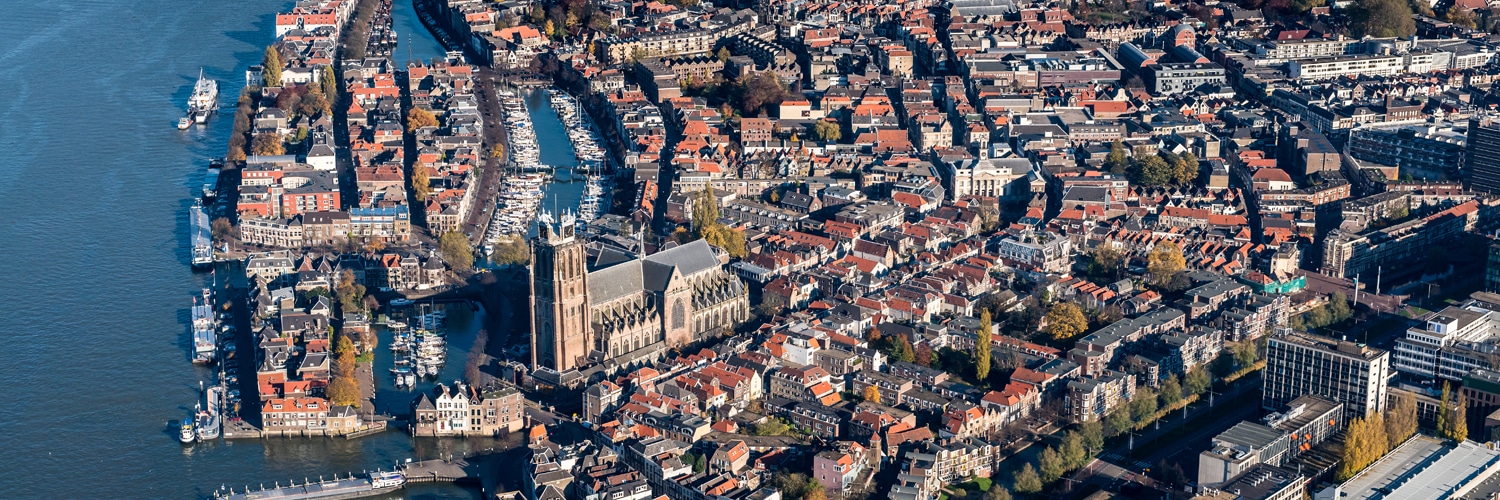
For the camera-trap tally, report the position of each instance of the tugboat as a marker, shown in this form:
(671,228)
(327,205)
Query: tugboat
(205,99)
(386,480)
(187,434)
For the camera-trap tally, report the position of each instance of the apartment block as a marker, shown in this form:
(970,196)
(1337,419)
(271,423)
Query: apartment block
(1299,364)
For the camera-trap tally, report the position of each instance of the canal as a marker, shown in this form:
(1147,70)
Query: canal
(94,185)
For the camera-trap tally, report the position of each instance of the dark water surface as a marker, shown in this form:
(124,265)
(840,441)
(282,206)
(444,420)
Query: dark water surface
(94,181)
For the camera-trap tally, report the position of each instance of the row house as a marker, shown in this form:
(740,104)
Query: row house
(468,411)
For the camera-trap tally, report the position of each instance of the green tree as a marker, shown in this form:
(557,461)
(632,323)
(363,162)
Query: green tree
(1197,380)
(827,131)
(1446,427)
(997,492)
(1093,434)
(723,54)
(1143,406)
(1117,161)
(1244,353)
(1051,464)
(1152,171)
(901,350)
(1065,321)
(771,427)
(1026,480)
(1164,261)
(267,144)
(1075,455)
(1382,19)
(512,251)
(982,346)
(343,391)
(456,252)
(1338,308)
(330,83)
(1171,391)
(1301,6)
(271,67)
(1117,422)
(419,118)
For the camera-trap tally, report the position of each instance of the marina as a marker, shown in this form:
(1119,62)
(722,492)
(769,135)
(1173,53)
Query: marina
(546,172)
(420,349)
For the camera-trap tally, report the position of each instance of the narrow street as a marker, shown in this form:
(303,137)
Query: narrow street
(490,174)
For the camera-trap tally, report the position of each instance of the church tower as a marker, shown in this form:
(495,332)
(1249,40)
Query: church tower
(559,305)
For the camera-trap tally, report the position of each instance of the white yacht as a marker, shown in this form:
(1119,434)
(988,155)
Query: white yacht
(205,98)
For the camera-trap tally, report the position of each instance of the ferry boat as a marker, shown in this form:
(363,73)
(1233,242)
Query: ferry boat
(205,341)
(186,434)
(205,99)
(376,483)
(200,232)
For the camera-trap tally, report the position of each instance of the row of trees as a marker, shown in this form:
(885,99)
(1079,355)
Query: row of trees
(1367,439)
(1076,450)
(343,389)
(1142,409)
(1333,312)
(243,113)
(1453,418)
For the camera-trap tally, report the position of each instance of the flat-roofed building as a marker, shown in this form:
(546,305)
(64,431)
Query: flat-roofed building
(1298,364)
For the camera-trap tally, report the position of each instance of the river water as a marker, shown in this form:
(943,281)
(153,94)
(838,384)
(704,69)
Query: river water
(94,182)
